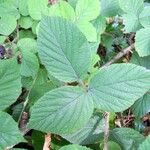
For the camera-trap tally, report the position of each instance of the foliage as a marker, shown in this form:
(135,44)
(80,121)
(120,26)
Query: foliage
(58,82)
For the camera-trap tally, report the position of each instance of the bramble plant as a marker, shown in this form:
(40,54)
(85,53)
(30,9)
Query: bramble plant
(74,75)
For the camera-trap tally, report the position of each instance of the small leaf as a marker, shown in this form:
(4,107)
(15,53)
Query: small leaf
(29,65)
(110,8)
(62,9)
(141,61)
(142,42)
(89,134)
(62,111)
(62,49)
(142,106)
(127,138)
(10,82)
(145,17)
(25,22)
(9,132)
(73,3)
(118,86)
(7,24)
(37,8)
(88,30)
(132,6)
(87,10)
(131,22)
(7,8)
(27,44)
(145,145)
(23,7)
(74,147)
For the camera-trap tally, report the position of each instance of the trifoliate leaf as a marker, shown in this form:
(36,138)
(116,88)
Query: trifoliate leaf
(9,132)
(118,86)
(10,82)
(62,111)
(62,48)
(142,42)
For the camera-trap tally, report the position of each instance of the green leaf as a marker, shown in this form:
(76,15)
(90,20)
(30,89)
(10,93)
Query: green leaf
(118,86)
(9,132)
(26,34)
(29,65)
(142,42)
(127,138)
(89,134)
(141,61)
(37,8)
(7,24)
(73,3)
(62,48)
(61,111)
(145,17)
(37,140)
(2,39)
(23,7)
(113,146)
(41,81)
(9,9)
(25,22)
(88,30)
(145,145)
(131,22)
(110,8)
(100,24)
(10,82)
(132,6)
(62,9)
(27,44)
(141,106)
(87,10)
(74,147)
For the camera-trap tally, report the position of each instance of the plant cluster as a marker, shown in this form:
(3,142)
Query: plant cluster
(74,75)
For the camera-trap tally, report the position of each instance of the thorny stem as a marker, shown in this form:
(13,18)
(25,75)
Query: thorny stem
(24,130)
(119,55)
(106,130)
